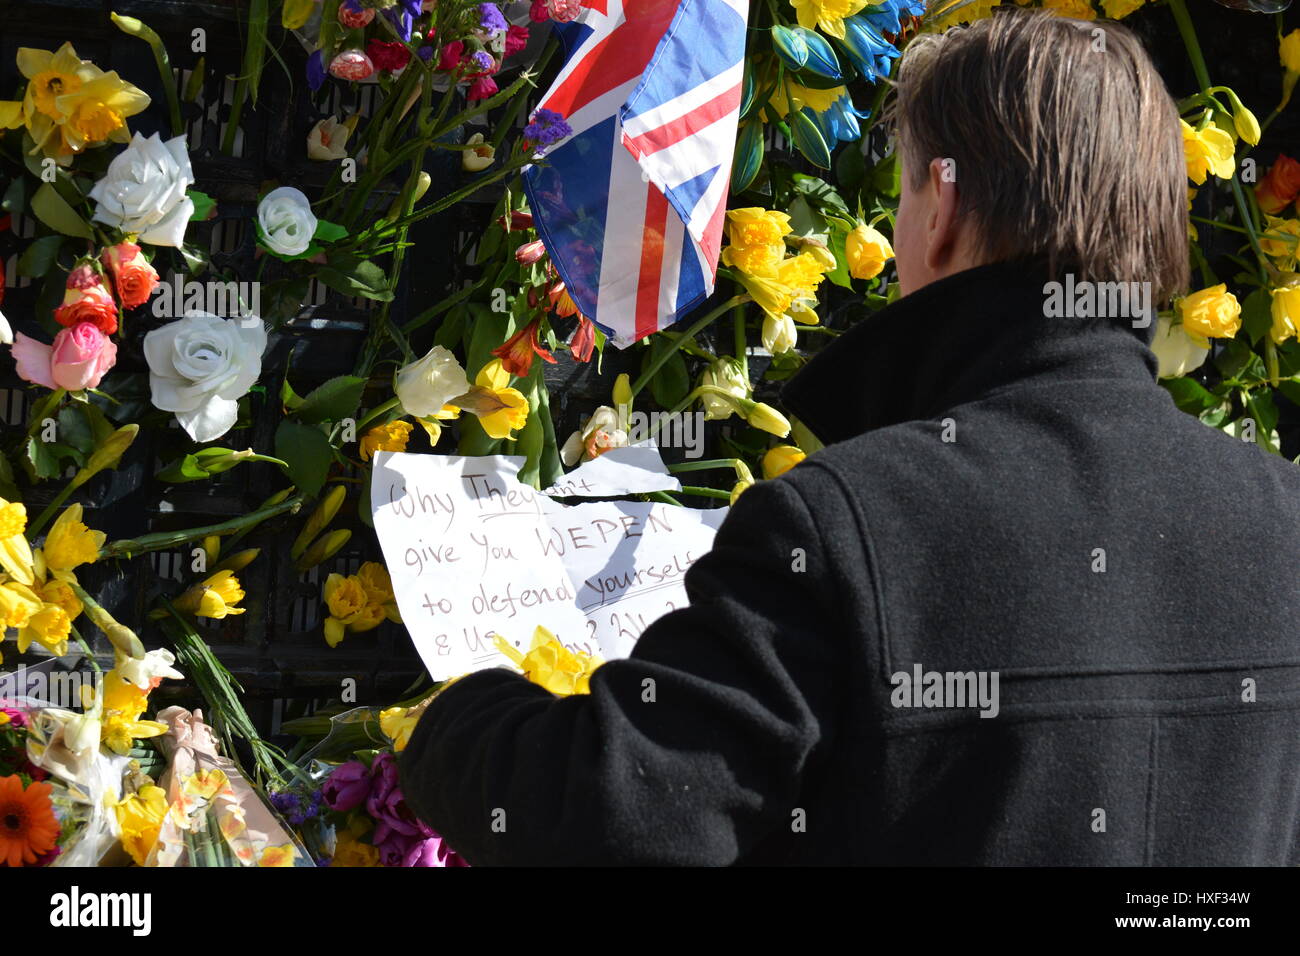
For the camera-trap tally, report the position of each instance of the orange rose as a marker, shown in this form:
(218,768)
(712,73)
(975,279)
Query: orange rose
(1280,185)
(134,276)
(92,304)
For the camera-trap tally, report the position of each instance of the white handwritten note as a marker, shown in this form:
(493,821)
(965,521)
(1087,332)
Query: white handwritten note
(619,471)
(473,552)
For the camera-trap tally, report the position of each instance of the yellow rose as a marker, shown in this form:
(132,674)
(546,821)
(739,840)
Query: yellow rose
(867,251)
(1286,311)
(1212,313)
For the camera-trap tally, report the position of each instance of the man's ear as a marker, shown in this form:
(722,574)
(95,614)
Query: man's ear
(941,236)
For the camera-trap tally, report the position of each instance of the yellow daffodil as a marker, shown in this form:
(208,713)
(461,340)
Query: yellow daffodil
(216,597)
(392,436)
(70,103)
(17,604)
(755,236)
(500,409)
(50,626)
(867,251)
(1211,313)
(780,459)
(432,424)
(398,725)
(827,14)
(120,723)
(1208,150)
(140,817)
(15,552)
(1286,311)
(350,607)
(550,664)
(70,543)
(1288,51)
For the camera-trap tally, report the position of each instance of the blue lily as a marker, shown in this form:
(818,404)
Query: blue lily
(866,48)
(821,58)
(885,17)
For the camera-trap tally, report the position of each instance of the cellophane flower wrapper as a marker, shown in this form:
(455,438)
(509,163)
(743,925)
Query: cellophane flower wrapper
(216,817)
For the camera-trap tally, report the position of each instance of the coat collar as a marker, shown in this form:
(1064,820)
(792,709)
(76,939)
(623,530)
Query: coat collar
(952,342)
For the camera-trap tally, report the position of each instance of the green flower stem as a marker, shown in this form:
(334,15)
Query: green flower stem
(85,649)
(1270,361)
(709,465)
(259,12)
(376,412)
(34,527)
(705,492)
(133,27)
(696,327)
(664,497)
(741,341)
(129,547)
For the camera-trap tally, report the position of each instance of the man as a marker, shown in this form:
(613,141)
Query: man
(1020,610)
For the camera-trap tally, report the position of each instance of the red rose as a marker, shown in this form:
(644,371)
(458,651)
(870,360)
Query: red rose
(134,277)
(388,55)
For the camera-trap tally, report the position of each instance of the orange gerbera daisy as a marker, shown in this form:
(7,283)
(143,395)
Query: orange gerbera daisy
(27,825)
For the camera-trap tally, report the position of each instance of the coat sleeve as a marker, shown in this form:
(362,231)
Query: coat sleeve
(690,751)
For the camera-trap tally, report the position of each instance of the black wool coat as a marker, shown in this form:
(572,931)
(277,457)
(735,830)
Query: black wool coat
(1001,494)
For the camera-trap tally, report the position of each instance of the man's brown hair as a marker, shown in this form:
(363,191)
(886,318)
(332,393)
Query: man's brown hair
(1065,144)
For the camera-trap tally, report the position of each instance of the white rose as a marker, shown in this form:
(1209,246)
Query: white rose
(6,331)
(598,434)
(200,365)
(779,333)
(143,192)
(426,385)
(1175,351)
(287,222)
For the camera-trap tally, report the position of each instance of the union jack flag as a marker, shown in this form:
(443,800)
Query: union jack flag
(632,203)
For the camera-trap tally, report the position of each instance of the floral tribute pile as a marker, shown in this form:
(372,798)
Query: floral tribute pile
(109,210)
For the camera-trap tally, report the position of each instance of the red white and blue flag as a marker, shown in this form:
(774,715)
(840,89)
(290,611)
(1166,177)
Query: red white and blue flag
(631,204)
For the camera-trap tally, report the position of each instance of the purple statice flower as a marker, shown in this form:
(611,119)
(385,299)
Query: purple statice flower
(348,786)
(315,70)
(283,801)
(547,128)
(490,18)
(483,60)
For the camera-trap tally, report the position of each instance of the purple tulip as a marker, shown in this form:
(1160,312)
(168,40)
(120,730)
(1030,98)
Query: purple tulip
(348,786)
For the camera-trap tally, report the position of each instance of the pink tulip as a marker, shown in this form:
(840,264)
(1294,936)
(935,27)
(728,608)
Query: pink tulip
(79,358)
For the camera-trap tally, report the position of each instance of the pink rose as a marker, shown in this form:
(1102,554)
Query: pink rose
(78,359)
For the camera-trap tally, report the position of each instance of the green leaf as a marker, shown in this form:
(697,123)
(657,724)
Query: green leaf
(353,276)
(1238,361)
(671,383)
(307,452)
(884,177)
(1190,395)
(183,470)
(288,397)
(37,259)
(203,205)
(329,231)
(15,198)
(333,401)
(53,210)
(1257,315)
(42,460)
(819,193)
(75,430)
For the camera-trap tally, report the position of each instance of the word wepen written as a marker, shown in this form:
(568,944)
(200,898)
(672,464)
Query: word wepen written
(948,689)
(77,909)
